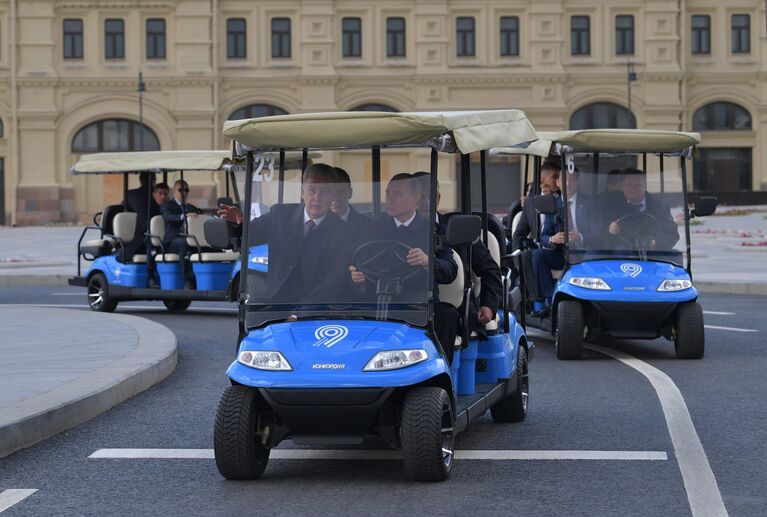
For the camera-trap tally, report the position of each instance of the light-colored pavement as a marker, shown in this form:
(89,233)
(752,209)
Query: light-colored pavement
(61,367)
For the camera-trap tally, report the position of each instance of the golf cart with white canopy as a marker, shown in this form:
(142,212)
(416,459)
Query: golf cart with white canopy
(625,257)
(335,361)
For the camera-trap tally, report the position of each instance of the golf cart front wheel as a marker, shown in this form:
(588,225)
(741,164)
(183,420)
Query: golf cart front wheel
(690,339)
(427,434)
(569,333)
(238,450)
(177,305)
(98,294)
(514,408)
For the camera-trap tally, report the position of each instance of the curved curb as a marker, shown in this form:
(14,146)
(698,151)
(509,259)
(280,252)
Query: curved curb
(38,418)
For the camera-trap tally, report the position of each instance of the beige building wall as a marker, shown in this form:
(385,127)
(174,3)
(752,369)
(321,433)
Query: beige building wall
(45,100)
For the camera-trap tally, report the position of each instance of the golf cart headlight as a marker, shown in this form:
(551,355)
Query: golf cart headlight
(264,261)
(394,359)
(264,360)
(674,285)
(588,282)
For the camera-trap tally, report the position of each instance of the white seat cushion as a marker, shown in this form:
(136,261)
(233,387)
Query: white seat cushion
(195,226)
(157,229)
(492,325)
(452,293)
(167,257)
(220,256)
(139,259)
(124,225)
(96,243)
(458,342)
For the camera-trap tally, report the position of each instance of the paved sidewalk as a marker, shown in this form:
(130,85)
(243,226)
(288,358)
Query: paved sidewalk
(62,367)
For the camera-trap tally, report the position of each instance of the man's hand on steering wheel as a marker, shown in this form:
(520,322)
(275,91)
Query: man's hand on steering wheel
(416,257)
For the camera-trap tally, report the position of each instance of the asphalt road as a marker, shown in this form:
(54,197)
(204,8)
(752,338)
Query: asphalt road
(597,404)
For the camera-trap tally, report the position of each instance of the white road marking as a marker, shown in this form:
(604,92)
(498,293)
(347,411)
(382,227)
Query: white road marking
(125,306)
(14,496)
(330,454)
(719,313)
(699,481)
(66,294)
(731,329)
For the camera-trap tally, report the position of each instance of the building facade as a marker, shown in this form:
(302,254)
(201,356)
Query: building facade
(69,76)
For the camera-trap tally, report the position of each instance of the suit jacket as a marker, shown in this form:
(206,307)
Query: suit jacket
(588,222)
(356,220)
(173,215)
(136,201)
(302,269)
(667,234)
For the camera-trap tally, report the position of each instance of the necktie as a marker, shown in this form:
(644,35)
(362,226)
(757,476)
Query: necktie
(309,226)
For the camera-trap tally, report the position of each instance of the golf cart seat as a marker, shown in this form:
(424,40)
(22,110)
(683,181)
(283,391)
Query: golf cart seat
(196,240)
(157,235)
(124,226)
(105,245)
(453,293)
(515,221)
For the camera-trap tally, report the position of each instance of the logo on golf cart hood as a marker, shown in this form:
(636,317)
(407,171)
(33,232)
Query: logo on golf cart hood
(329,335)
(631,270)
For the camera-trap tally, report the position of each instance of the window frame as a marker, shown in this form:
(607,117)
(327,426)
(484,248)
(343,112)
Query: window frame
(510,37)
(236,39)
(65,34)
(351,37)
(115,38)
(700,36)
(282,44)
(465,38)
(99,124)
(625,36)
(396,39)
(577,34)
(740,37)
(707,112)
(156,40)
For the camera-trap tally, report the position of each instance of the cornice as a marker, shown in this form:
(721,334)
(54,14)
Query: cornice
(114,4)
(111,83)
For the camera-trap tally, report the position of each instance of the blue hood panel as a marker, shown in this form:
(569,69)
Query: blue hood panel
(327,354)
(630,281)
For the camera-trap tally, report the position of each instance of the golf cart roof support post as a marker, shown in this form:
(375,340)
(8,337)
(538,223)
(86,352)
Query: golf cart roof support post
(244,247)
(596,163)
(527,167)
(644,163)
(147,239)
(537,174)
(304,159)
(686,214)
(466,184)
(662,178)
(125,192)
(183,202)
(565,212)
(281,185)
(226,176)
(376,168)
(233,182)
(433,166)
(165,177)
(596,171)
(483,191)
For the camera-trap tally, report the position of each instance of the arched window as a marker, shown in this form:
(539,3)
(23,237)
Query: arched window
(374,107)
(257,110)
(721,116)
(603,115)
(115,135)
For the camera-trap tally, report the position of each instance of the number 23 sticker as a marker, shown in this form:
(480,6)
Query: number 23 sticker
(259,173)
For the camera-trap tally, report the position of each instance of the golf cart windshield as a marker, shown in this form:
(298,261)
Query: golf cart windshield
(634,211)
(311,232)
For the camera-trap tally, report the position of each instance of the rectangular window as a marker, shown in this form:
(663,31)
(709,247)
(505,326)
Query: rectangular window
(281,38)
(155,38)
(236,38)
(395,37)
(741,34)
(114,39)
(701,34)
(465,37)
(580,36)
(73,38)
(509,36)
(351,29)
(624,35)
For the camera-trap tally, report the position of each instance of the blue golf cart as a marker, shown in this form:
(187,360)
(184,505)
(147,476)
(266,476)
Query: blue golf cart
(151,272)
(347,364)
(628,272)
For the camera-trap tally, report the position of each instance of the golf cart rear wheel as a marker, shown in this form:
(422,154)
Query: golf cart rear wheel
(514,407)
(177,305)
(569,333)
(690,342)
(427,434)
(98,294)
(236,444)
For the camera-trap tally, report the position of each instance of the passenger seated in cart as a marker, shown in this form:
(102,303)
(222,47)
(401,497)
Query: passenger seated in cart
(341,207)
(639,219)
(175,213)
(136,201)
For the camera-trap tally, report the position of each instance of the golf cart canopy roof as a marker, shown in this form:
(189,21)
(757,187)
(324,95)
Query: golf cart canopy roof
(470,131)
(169,161)
(609,141)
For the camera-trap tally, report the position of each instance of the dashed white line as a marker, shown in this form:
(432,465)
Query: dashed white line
(699,481)
(729,329)
(356,454)
(719,313)
(14,496)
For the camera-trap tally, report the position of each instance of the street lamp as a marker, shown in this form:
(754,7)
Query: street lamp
(141,90)
(632,76)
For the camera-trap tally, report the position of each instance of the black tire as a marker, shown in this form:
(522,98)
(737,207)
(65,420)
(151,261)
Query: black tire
(98,294)
(514,407)
(177,305)
(239,453)
(569,332)
(427,434)
(690,336)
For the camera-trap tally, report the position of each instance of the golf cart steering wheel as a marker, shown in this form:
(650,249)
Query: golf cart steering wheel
(637,225)
(384,258)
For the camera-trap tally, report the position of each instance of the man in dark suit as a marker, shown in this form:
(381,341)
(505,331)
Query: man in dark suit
(175,213)
(341,207)
(636,199)
(140,201)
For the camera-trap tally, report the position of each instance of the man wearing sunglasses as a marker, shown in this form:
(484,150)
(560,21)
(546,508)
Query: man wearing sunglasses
(175,213)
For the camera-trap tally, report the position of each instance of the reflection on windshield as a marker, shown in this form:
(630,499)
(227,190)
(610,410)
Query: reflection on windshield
(624,214)
(328,256)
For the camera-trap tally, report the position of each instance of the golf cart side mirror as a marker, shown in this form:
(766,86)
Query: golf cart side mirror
(545,204)
(704,205)
(463,229)
(218,233)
